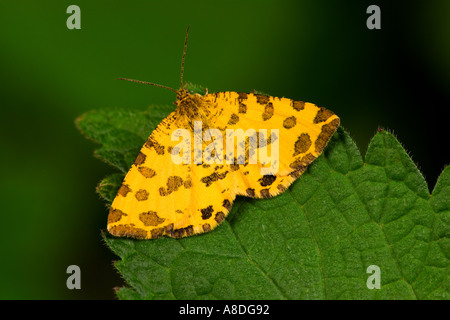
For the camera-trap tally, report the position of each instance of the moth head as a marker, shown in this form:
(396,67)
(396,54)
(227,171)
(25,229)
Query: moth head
(181,94)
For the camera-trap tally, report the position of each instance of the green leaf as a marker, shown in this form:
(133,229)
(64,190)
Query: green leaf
(121,133)
(108,187)
(314,241)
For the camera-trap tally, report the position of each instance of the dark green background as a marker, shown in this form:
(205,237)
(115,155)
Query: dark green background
(319,51)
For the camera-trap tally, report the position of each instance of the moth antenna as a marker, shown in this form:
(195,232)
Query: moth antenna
(149,83)
(184,55)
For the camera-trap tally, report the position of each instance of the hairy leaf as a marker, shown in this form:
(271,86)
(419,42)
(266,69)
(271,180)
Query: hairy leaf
(314,241)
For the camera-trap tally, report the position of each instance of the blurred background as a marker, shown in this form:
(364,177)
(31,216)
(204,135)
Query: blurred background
(396,78)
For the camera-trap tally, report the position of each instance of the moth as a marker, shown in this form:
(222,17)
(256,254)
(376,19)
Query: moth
(160,196)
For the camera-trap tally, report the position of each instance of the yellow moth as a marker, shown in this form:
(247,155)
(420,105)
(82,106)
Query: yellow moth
(226,155)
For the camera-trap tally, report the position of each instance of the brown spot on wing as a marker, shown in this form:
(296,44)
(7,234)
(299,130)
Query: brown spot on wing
(302,144)
(169,228)
(179,233)
(226,204)
(219,217)
(250,192)
(207,212)
(147,172)
(157,233)
(265,193)
(262,99)
(126,230)
(163,192)
(173,183)
(115,215)
(302,163)
(209,180)
(150,218)
(242,96)
(233,119)
(140,159)
(268,111)
(206,227)
(123,190)
(322,115)
(151,143)
(234,166)
(281,188)
(267,180)
(290,122)
(298,105)
(189,230)
(297,173)
(187,184)
(141,195)
(325,135)
(242,107)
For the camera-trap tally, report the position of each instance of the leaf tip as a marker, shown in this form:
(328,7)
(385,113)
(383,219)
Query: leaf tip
(77,122)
